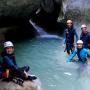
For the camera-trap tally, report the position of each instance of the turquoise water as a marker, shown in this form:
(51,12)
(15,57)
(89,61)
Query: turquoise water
(47,60)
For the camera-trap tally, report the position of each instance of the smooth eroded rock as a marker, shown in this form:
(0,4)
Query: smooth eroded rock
(27,85)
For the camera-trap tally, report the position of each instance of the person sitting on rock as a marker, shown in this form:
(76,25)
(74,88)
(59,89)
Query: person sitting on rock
(10,66)
(80,52)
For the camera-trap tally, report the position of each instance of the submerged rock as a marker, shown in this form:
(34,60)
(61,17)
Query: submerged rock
(27,85)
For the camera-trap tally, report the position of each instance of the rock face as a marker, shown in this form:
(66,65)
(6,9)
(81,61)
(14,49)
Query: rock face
(82,5)
(23,8)
(16,13)
(27,85)
(14,18)
(48,15)
(18,8)
(78,9)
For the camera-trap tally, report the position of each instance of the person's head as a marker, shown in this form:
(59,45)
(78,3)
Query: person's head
(84,28)
(8,47)
(79,44)
(69,23)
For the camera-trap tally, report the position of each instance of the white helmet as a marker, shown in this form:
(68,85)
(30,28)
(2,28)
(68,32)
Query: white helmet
(83,26)
(80,41)
(8,44)
(69,21)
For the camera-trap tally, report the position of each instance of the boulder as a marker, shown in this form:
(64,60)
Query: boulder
(27,85)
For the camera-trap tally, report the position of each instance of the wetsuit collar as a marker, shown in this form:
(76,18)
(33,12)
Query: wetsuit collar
(5,54)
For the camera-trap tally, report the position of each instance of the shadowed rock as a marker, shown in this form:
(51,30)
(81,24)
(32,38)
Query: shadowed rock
(16,13)
(18,8)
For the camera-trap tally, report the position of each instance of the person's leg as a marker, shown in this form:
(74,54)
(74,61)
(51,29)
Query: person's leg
(72,48)
(23,75)
(68,48)
(32,77)
(25,68)
(1,72)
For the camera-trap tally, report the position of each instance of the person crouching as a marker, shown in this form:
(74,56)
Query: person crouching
(81,53)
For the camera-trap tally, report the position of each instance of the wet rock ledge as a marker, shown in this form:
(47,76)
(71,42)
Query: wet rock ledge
(27,85)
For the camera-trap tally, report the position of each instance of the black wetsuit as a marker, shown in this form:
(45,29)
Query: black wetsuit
(9,62)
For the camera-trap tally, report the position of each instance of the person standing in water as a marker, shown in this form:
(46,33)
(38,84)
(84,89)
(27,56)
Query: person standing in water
(80,52)
(85,36)
(69,34)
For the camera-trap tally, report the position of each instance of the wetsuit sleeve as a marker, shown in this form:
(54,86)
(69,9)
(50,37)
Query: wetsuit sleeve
(89,41)
(71,56)
(88,53)
(76,35)
(14,61)
(9,62)
(64,37)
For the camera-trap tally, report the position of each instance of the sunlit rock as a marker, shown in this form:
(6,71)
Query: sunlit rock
(27,85)
(78,9)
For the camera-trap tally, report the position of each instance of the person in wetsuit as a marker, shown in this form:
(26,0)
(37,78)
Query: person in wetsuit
(69,34)
(9,63)
(80,52)
(85,36)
